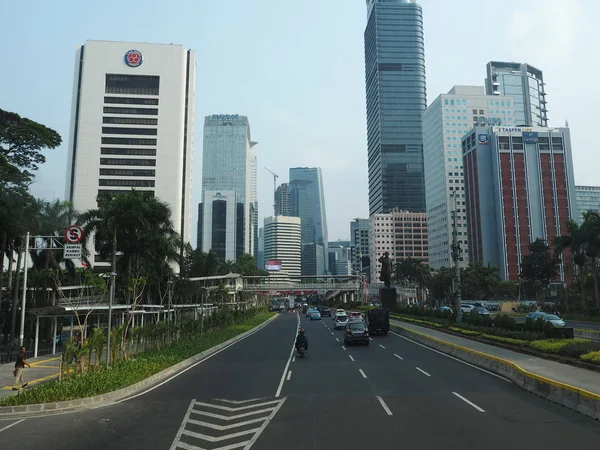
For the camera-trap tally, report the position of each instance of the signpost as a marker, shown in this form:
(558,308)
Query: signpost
(73,235)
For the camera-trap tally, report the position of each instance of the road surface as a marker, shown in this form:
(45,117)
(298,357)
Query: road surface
(393,393)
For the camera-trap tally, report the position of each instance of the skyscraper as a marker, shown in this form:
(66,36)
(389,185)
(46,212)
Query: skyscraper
(307,201)
(282,200)
(282,243)
(520,187)
(359,243)
(525,84)
(445,121)
(228,214)
(132,125)
(396,99)
(588,199)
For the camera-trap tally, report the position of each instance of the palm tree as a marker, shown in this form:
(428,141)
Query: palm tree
(136,224)
(574,240)
(54,218)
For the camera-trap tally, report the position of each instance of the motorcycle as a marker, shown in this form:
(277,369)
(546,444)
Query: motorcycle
(301,351)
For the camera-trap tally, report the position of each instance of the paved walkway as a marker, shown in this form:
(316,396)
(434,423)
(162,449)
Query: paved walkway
(42,369)
(563,373)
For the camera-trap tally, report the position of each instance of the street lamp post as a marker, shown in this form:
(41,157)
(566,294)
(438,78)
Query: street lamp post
(26,263)
(456,252)
(170,287)
(111,296)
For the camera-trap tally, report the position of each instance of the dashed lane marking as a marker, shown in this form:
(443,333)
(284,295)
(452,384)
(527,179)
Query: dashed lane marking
(468,402)
(384,406)
(422,371)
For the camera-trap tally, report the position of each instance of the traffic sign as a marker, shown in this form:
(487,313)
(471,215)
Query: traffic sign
(74,234)
(72,251)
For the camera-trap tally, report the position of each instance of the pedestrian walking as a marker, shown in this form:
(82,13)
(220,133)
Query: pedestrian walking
(20,364)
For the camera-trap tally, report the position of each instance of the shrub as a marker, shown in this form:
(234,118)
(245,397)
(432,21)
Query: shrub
(508,323)
(548,330)
(487,321)
(528,324)
(552,345)
(591,357)
(505,340)
(538,325)
(576,349)
(498,320)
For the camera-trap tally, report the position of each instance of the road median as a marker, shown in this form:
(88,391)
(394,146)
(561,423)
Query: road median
(576,398)
(155,367)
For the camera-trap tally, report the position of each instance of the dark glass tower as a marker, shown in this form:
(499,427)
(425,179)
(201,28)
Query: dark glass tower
(396,100)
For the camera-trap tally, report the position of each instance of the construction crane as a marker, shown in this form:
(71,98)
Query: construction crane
(275,176)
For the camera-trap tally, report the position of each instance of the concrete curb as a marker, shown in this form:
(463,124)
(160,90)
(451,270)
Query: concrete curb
(98,401)
(580,400)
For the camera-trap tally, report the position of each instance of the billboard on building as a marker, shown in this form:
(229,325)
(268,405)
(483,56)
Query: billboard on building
(273,265)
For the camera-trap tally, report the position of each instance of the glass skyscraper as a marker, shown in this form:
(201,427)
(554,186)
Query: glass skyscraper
(307,201)
(396,100)
(228,214)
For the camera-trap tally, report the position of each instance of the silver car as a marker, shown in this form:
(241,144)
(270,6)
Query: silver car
(554,320)
(340,321)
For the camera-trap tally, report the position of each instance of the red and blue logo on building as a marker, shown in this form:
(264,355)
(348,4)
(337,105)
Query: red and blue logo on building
(133,58)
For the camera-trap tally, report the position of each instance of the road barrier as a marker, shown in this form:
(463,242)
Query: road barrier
(580,400)
(587,334)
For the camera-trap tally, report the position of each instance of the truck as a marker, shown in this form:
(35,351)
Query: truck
(378,320)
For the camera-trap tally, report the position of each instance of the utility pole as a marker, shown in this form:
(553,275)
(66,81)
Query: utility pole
(456,254)
(275,176)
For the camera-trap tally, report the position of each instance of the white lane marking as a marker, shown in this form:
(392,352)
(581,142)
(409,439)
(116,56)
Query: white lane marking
(381,346)
(422,371)
(182,427)
(469,402)
(343,347)
(370,339)
(362,373)
(287,365)
(289,375)
(451,357)
(294,358)
(239,408)
(199,362)
(398,356)
(384,406)
(264,425)
(11,425)
(332,333)
(351,358)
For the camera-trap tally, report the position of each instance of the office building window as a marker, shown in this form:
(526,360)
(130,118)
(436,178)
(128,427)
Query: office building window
(128,151)
(142,131)
(136,111)
(128,172)
(132,84)
(131,101)
(130,120)
(127,162)
(128,183)
(128,141)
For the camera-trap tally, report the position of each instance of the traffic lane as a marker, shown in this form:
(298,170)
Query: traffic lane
(152,420)
(571,323)
(509,408)
(329,405)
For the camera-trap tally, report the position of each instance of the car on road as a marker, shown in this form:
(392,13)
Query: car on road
(534,315)
(325,311)
(554,320)
(446,308)
(355,315)
(481,310)
(340,311)
(340,321)
(315,315)
(356,332)
(466,308)
(309,311)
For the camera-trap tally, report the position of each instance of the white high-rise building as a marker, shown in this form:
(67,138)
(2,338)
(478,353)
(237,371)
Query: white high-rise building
(229,164)
(132,125)
(282,243)
(445,122)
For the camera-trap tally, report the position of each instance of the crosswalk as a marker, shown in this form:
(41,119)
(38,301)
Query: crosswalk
(225,424)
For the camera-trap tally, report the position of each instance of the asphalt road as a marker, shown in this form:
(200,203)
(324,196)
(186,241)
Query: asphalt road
(392,393)
(571,323)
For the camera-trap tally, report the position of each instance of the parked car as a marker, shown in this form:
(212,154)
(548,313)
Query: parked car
(315,315)
(534,315)
(446,308)
(466,308)
(481,310)
(356,333)
(340,321)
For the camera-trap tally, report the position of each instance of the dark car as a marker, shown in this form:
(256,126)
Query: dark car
(356,333)
(325,311)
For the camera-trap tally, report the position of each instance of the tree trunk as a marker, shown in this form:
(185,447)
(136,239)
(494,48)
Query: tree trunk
(15,298)
(582,282)
(11,263)
(595,275)
(2,253)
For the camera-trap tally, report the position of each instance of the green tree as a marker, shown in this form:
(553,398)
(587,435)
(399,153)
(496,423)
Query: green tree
(140,227)
(440,284)
(575,241)
(413,272)
(479,281)
(590,230)
(539,267)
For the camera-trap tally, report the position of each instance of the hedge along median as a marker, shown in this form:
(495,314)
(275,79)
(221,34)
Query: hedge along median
(563,350)
(124,373)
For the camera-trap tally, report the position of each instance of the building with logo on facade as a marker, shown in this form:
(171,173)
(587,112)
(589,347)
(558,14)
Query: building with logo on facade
(525,84)
(395,100)
(229,165)
(445,122)
(282,200)
(588,199)
(132,126)
(520,187)
(282,243)
(359,244)
(402,234)
(307,201)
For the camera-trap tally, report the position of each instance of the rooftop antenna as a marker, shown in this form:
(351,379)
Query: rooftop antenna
(275,176)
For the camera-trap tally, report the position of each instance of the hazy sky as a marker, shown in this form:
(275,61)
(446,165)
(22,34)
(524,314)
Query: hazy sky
(296,69)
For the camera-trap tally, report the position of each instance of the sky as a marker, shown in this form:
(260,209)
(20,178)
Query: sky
(296,69)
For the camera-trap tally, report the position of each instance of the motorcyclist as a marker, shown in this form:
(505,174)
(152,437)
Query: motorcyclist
(301,340)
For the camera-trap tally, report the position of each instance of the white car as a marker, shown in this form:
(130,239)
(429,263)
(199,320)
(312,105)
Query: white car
(467,308)
(340,321)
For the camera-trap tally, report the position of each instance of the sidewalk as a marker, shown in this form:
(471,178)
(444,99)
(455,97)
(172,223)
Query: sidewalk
(563,373)
(42,369)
